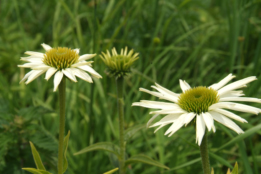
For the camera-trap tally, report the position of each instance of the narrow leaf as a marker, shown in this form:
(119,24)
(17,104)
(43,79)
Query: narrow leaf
(235,170)
(65,146)
(36,171)
(112,171)
(219,159)
(242,136)
(37,158)
(131,131)
(106,146)
(212,171)
(144,159)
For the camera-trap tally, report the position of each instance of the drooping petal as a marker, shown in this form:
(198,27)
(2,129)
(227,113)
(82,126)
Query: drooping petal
(69,74)
(226,122)
(230,114)
(189,117)
(170,111)
(244,99)
(176,125)
(83,75)
(26,76)
(34,75)
(184,85)
(30,65)
(244,108)
(57,79)
(156,105)
(200,129)
(157,94)
(77,50)
(223,82)
(232,94)
(236,85)
(151,119)
(171,118)
(33,53)
(80,64)
(33,59)
(90,70)
(46,47)
(220,105)
(86,56)
(161,89)
(208,119)
(50,72)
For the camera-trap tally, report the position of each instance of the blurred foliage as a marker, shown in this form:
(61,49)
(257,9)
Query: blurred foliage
(200,41)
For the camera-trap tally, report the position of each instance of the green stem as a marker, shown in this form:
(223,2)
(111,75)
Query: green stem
(120,101)
(61,124)
(204,154)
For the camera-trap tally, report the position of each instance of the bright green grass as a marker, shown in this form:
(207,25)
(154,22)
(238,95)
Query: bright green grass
(198,41)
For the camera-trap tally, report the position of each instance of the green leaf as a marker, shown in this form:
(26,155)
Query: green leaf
(36,171)
(37,158)
(131,131)
(144,159)
(242,136)
(235,170)
(220,159)
(112,171)
(65,146)
(106,146)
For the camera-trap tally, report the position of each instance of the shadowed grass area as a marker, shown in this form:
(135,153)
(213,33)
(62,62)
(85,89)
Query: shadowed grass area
(198,41)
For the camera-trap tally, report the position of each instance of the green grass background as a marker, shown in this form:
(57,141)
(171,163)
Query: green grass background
(200,41)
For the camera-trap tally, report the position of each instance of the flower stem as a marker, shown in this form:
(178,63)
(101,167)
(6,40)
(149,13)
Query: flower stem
(204,154)
(61,124)
(119,84)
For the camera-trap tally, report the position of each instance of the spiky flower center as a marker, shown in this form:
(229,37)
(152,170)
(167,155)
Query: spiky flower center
(61,57)
(198,99)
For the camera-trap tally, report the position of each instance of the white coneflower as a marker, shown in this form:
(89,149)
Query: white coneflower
(59,61)
(205,104)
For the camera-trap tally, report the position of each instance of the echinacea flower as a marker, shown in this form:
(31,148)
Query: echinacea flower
(205,104)
(119,64)
(59,61)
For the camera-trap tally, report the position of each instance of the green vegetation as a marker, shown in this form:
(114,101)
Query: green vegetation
(199,41)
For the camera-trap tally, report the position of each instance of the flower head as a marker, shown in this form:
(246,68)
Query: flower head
(204,104)
(59,61)
(119,64)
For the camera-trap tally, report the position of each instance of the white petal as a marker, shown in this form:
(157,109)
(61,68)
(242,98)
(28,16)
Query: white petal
(33,59)
(57,79)
(219,105)
(200,129)
(245,99)
(226,121)
(189,117)
(176,125)
(50,72)
(69,74)
(34,75)
(167,119)
(77,50)
(46,47)
(33,53)
(156,105)
(80,64)
(30,65)
(232,94)
(86,56)
(236,85)
(152,118)
(83,75)
(165,111)
(165,93)
(184,85)
(244,108)
(230,114)
(161,96)
(90,70)
(41,67)
(222,82)
(26,76)
(165,90)
(208,119)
